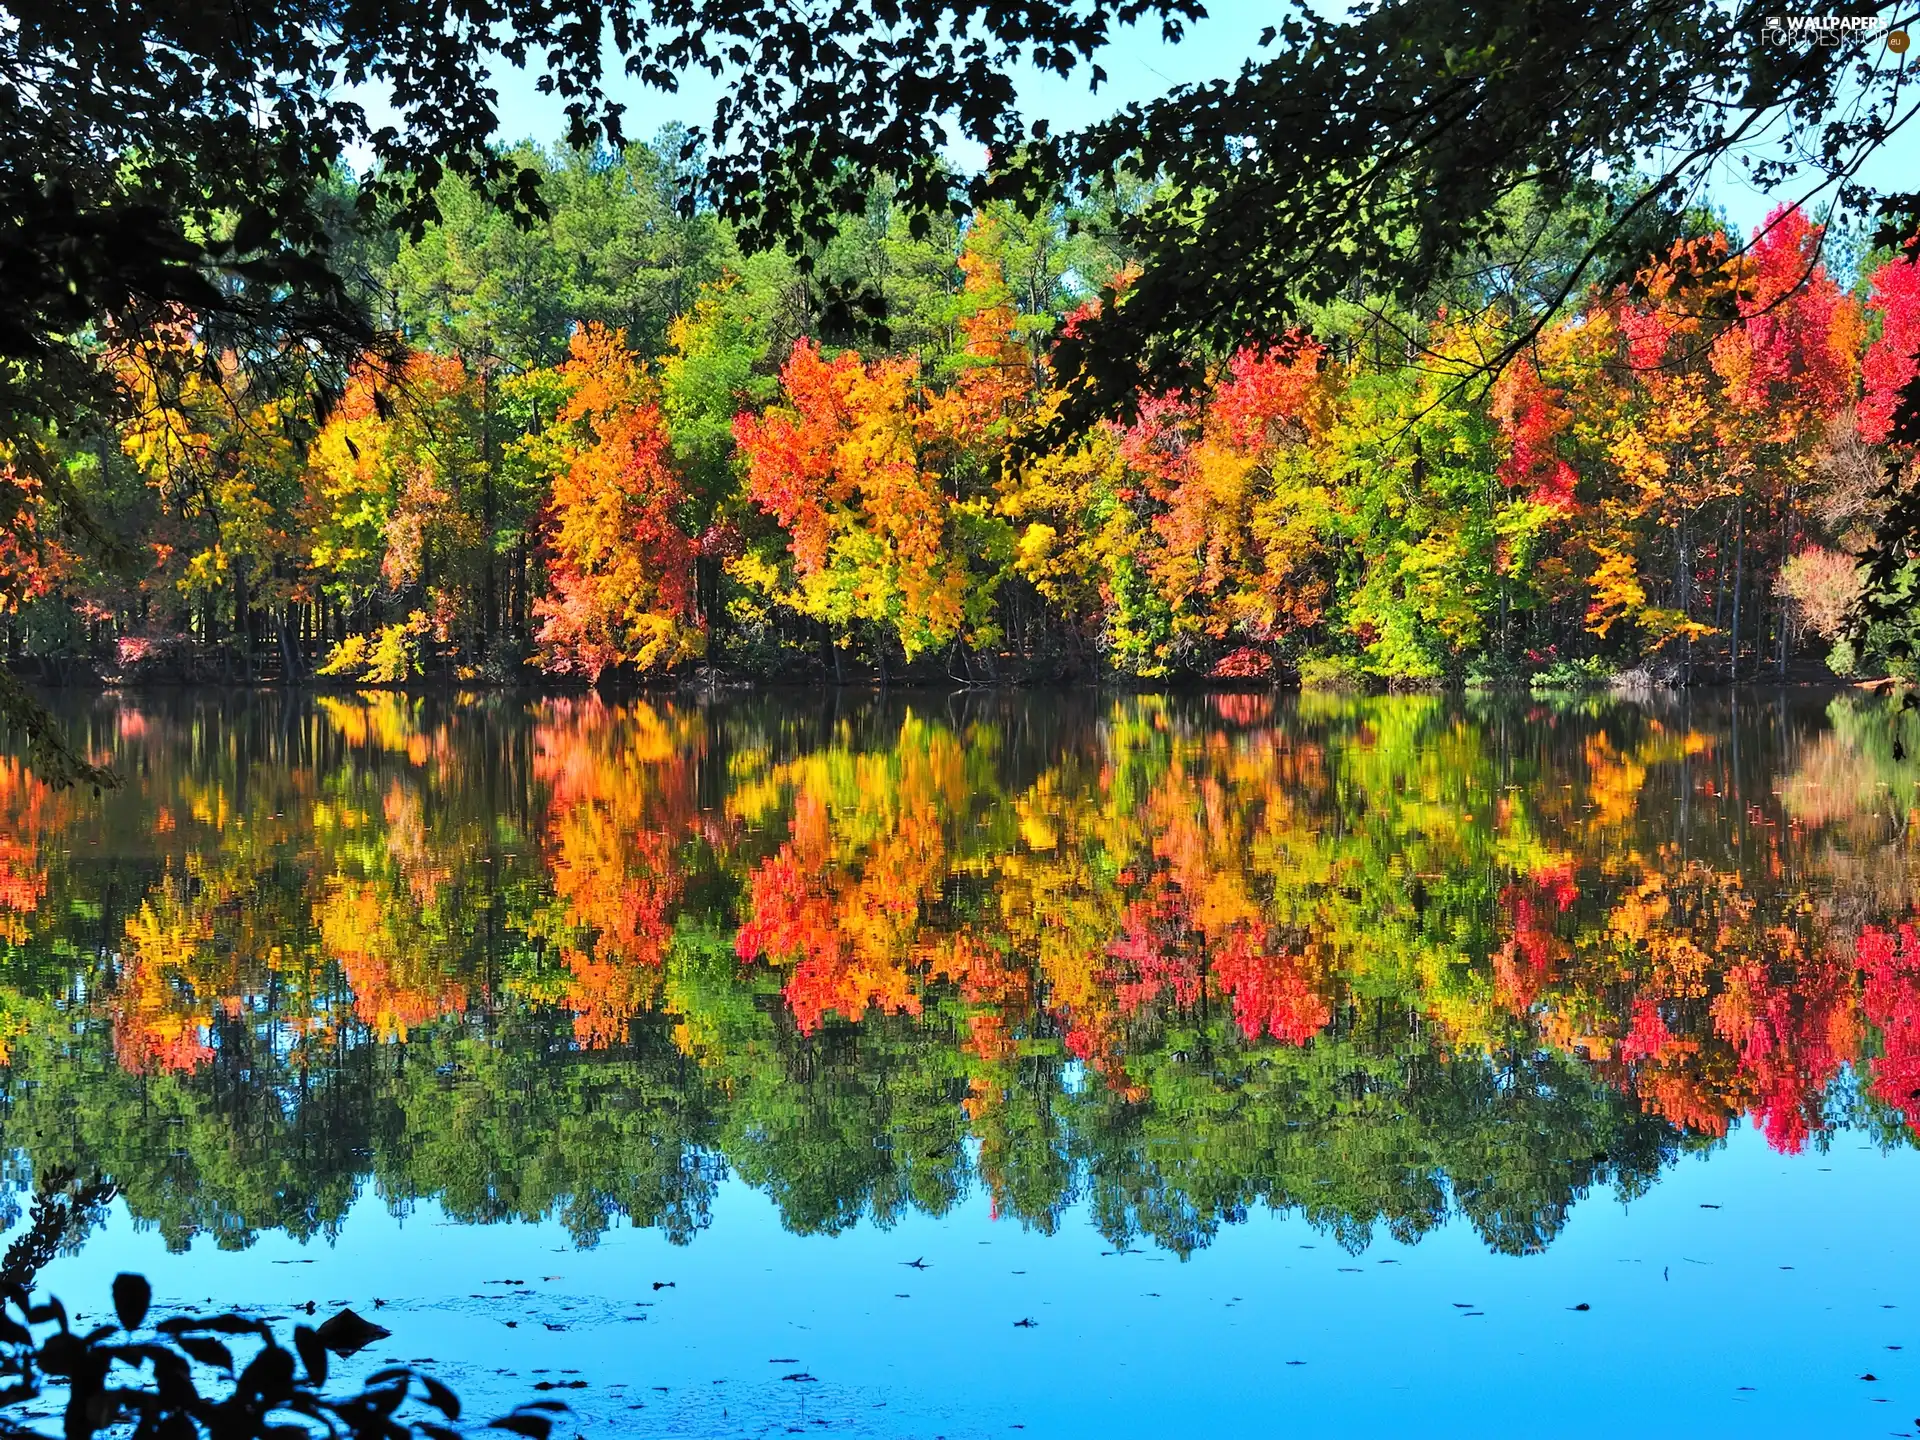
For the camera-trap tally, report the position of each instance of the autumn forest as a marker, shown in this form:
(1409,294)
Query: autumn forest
(1100,718)
(614,447)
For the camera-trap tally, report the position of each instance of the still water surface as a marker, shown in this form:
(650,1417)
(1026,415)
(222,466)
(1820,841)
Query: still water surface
(1334,1066)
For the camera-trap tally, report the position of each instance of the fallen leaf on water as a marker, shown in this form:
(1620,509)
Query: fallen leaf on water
(346,1333)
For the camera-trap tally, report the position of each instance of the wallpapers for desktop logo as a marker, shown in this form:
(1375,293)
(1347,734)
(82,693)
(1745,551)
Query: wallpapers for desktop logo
(1830,30)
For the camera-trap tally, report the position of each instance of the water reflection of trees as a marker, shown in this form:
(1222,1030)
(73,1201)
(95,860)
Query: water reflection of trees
(1382,962)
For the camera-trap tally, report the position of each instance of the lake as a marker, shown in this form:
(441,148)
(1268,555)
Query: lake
(982,1064)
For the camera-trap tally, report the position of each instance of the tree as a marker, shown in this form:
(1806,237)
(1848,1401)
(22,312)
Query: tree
(217,217)
(1368,161)
(222,448)
(391,490)
(1372,153)
(840,466)
(1686,418)
(141,194)
(622,572)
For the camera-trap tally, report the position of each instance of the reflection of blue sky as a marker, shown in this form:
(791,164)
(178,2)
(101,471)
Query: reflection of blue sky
(1796,1287)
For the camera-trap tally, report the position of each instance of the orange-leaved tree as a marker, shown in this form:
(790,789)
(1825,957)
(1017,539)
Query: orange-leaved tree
(839,465)
(621,567)
(1694,406)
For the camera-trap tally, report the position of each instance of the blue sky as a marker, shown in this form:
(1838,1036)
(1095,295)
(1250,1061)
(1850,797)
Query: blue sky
(1139,65)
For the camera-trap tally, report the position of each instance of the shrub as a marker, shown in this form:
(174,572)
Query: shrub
(1331,672)
(1585,674)
(1823,584)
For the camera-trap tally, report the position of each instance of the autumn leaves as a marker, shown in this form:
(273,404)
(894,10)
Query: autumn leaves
(1225,875)
(1683,467)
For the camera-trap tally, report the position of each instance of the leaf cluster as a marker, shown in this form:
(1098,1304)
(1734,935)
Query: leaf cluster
(157,1382)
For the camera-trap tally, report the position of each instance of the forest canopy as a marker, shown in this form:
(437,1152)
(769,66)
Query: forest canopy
(614,445)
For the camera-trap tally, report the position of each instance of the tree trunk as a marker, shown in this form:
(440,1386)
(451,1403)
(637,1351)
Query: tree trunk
(1739,573)
(488,595)
(289,658)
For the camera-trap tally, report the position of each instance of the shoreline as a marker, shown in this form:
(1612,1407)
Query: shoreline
(1624,687)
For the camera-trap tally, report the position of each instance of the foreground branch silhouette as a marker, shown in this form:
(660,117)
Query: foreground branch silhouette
(114,1375)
